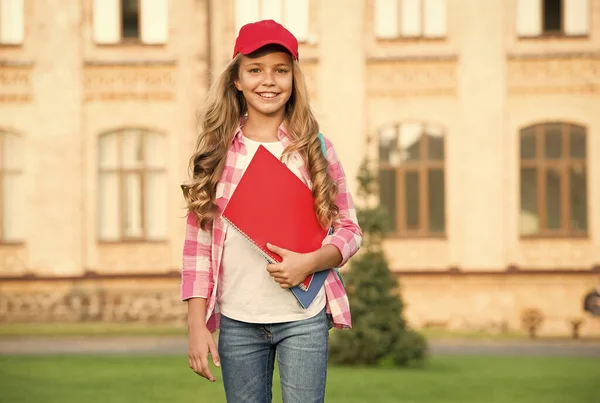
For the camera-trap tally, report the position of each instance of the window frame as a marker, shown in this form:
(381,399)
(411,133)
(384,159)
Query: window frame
(3,172)
(422,166)
(563,165)
(557,35)
(121,173)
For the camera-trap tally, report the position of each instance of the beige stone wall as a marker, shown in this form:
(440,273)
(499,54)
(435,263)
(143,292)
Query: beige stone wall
(491,303)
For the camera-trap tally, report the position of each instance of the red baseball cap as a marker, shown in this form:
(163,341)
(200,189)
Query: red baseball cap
(255,35)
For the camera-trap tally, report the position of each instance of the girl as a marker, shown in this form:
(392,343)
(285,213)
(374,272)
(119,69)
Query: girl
(261,98)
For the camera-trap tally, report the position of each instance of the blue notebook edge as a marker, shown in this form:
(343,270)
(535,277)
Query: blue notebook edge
(305,298)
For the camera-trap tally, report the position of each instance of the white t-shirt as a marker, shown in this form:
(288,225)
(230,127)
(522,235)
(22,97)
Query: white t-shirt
(247,292)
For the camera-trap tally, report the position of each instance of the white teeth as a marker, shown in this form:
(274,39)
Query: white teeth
(268,95)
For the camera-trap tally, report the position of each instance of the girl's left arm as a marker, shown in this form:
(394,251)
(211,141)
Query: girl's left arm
(336,248)
(347,235)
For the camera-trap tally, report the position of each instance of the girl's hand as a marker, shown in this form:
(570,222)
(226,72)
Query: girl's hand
(293,269)
(200,344)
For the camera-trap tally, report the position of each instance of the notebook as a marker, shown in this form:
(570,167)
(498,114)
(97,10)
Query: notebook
(271,204)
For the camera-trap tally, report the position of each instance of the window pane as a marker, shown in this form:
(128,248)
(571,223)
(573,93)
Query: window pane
(130,18)
(436,200)
(386,18)
(577,140)
(435,143)
(155,151)
(410,17)
(12,211)
(577,17)
(528,143)
(271,10)
(108,155)
(155,198)
(553,199)
(411,191)
(387,195)
(529,217)
(435,18)
(246,11)
(108,217)
(410,136)
(132,150)
(553,146)
(388,146)
(578,193)
(133,206)
(552,15)
(297,18)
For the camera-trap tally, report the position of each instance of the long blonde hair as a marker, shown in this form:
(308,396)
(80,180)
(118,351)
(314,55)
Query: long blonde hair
(225,106)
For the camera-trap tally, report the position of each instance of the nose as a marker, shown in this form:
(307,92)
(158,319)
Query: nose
(269,78)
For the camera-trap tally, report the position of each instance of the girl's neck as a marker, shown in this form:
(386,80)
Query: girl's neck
(262,128)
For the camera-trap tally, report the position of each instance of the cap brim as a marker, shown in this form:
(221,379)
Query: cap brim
(255,46)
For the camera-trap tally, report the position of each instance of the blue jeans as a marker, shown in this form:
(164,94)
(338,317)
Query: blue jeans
(248,351)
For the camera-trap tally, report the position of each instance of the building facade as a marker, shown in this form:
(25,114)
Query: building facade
(481,118)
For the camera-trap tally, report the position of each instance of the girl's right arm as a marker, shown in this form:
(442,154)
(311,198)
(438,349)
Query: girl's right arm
(196,286)
(200,340)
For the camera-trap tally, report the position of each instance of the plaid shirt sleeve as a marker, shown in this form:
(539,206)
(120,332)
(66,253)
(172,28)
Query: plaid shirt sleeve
(347,235)
(196,274)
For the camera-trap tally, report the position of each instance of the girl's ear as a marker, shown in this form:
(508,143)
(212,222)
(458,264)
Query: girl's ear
(237,84)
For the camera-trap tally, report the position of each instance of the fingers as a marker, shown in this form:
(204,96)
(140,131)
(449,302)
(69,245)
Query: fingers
(196,364)
(214,353)
(205,369)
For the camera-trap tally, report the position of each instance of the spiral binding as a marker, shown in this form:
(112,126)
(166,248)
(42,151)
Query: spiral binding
(254,245)
(257,248)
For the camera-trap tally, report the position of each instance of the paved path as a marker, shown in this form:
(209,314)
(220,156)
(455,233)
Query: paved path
(177,345)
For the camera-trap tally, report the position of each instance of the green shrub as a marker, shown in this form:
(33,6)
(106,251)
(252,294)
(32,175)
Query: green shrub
(379,334)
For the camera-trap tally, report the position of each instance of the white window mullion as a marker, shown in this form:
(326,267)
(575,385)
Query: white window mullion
(529,18)
(106,21)
(154,16)
(410,18)
(385,19)
(577,17)
(434,18)
(12,24)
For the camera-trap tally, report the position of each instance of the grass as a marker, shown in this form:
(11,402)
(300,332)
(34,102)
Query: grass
(107,329)
(448,379)
(90,329)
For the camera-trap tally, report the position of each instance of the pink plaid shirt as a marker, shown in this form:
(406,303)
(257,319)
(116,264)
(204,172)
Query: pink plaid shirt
(203,250)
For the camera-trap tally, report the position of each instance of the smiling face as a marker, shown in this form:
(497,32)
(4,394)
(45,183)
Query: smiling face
(266,80)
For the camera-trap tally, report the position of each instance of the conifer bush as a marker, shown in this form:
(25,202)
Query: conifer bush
(379,331)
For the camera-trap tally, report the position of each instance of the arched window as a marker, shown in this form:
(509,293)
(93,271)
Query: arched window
(553,180)
(11,188)
(132,186)
(411,178)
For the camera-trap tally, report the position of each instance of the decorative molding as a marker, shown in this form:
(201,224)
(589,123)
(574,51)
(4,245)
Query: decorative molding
(412,76)
(15,82)
(553,74)
(12,259)
(141,81)
(94,302)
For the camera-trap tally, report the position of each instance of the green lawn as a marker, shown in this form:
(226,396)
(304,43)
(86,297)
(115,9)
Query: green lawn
(448,379)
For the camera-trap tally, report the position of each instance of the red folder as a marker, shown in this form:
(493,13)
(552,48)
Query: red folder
(272,205)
